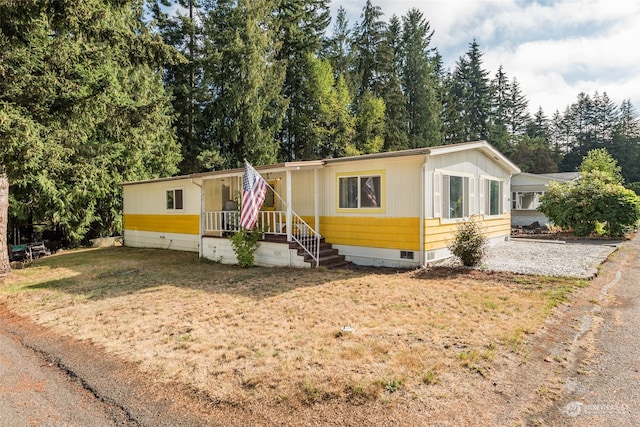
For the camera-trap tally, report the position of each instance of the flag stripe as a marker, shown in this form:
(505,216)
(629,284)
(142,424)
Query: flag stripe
(254,191)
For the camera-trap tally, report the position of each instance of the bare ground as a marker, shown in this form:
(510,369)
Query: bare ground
(290,347)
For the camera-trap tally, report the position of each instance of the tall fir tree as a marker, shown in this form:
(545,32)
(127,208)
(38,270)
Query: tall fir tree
(390,88)
(300,27)
(471,96)
(82,108)
(338,46)
(184,80)
(368,36)
(500,108)
(420,81)
(246,106)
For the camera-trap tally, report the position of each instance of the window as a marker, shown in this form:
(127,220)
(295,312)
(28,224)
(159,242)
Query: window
(174,199)
(359,192)
(494,197)
(526,200)
(456,196)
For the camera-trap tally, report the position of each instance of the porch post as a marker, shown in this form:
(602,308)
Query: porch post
(289,216)
(316,201)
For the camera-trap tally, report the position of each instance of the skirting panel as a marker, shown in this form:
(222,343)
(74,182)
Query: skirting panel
(150,239)
(268,254)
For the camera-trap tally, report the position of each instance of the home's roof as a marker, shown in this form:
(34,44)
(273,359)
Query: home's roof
(482,146)
(567,176)
(558,176)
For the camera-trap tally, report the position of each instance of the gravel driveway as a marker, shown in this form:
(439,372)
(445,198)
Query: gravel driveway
(549,258)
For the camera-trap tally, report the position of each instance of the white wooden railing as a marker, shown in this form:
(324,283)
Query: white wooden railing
(271,222)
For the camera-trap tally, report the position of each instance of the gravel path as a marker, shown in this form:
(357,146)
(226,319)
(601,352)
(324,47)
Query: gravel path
(549,258)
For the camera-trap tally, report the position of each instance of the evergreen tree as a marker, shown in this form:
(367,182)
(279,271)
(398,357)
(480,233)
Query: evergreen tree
(419,81)
(300,26)
(626,142)
(518,111)
(390,88)
(368,36)
(338,46)
(246,106)
(185,81)
(470,96)
(82,108)
(500,112)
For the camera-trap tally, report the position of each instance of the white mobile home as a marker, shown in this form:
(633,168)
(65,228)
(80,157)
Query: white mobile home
(526,191)
(388,209)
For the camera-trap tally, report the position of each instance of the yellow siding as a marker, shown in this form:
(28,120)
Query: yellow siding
(179,224)
(374,232)
(398,233)
(438,235)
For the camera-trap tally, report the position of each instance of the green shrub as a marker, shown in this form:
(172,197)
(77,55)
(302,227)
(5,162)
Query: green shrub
(245,243)
(468,244)
(594,204)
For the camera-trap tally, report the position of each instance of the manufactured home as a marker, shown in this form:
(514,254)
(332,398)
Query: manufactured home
(526,192)
(396,209)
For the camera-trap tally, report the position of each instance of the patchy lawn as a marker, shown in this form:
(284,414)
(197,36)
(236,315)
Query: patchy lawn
(287,337)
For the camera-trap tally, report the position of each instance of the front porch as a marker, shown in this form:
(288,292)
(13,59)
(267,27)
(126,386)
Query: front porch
(288,240)
(289,218)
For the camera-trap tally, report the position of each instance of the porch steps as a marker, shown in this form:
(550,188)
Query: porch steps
(329,257)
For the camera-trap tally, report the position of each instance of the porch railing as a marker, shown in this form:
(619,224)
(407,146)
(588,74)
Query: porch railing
(271,222)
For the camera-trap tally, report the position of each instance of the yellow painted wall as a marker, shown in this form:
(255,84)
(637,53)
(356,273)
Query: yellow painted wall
(375,232)
(437,235)
(399,233)
(179,224)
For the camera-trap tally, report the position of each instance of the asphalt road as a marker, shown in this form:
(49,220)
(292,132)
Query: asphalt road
(604,387)
(35,392)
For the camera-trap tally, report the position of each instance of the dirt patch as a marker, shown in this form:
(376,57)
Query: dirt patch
(318,347)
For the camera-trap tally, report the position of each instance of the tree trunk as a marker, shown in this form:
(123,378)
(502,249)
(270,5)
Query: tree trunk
(5,266)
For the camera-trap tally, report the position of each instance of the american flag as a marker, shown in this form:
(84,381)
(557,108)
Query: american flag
(254,190)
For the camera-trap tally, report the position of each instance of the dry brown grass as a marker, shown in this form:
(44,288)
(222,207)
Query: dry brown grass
(276,335)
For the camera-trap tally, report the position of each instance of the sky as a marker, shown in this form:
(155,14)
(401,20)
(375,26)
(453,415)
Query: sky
(555,49)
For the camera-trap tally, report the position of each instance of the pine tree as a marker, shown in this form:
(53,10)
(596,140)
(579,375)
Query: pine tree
(468,98)
(368,36)
(185,80)
(626,142)
(338,46)
(82,108)
(500,112)
(518,111)
(246,106)
(390,88)
(300,26)
(419,81)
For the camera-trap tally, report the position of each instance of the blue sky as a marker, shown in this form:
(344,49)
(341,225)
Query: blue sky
(555,49)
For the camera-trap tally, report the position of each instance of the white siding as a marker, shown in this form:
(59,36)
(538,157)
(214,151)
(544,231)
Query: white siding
(150,197)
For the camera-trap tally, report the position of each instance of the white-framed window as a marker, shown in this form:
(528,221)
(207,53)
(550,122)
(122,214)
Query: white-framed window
(360,191)
(493,197)
(526,200)
(455,196)
(174,199)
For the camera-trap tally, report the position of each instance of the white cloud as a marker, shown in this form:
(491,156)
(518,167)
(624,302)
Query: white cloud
(556,49)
